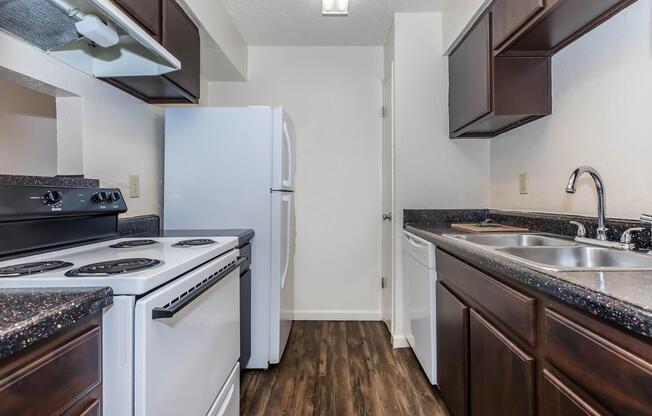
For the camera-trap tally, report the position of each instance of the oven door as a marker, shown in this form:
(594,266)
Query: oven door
(187,340)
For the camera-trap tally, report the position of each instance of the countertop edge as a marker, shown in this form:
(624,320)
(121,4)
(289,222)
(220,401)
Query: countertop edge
(614,310)
(50,321)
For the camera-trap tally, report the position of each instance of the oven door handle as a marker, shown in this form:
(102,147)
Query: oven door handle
(170,311)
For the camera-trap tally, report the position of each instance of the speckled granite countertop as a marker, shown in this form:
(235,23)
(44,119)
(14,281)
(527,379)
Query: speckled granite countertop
(30,315)
(621,297)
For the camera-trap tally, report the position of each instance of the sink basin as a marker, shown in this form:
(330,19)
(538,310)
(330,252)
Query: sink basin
(513,240)
(580,258)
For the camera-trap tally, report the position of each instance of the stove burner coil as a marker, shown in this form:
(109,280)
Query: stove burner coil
(194,243)
(133,243)
(114,267)
(26,269)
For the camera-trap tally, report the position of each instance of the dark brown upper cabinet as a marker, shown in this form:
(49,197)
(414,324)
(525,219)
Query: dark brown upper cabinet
(510,15)
(559,23)
(500,73)
(180,36)
(489,95)
(470,77)
(146,12)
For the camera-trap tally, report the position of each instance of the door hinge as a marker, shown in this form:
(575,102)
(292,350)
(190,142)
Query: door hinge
(383,112)
(382,283)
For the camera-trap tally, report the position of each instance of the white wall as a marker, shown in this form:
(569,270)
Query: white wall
(602,95)
(333,95)
(28,131)
(223,49)
(431,170)
(120,134)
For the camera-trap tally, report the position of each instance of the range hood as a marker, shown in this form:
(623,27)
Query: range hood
(52,26)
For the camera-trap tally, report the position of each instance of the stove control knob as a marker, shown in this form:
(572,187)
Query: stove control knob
(115,196)
(100,197)
(53,197)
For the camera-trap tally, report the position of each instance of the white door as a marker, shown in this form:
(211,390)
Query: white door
(282,293)
(187,340)
(388,200)
(284,153)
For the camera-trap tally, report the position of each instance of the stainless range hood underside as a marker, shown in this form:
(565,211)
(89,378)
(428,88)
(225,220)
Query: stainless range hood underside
(45,25)
(38,22)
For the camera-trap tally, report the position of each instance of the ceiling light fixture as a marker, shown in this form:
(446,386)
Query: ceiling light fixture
(335,7)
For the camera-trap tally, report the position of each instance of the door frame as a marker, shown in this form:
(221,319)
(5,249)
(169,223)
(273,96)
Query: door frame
(388,307)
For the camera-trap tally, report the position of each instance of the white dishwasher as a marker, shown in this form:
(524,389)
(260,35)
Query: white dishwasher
(420,277)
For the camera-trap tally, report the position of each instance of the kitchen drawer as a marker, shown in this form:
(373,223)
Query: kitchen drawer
(560,399)
(54,377)
(228,401)
(618,379)
(245,251)
(513,309)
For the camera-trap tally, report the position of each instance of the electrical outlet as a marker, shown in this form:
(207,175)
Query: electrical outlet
(134,186)
(523,183)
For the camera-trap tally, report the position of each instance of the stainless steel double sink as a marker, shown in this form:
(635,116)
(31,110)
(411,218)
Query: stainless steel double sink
(557,253)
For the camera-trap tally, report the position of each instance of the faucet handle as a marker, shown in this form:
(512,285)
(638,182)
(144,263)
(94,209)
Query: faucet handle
(581,230)
(626,238)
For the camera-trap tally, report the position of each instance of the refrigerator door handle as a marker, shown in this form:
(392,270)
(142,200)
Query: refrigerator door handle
(288,142)
(288,199)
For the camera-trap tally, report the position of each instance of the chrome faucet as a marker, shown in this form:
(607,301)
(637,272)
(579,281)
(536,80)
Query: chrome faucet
(599,186)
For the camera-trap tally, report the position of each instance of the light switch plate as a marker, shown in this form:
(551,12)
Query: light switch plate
(134,186)
(523,183)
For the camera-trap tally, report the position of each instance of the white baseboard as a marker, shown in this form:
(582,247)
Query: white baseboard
(400,341)
(337,315)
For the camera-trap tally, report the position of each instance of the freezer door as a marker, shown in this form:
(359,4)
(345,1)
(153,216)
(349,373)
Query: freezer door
(282,293)
(284,152)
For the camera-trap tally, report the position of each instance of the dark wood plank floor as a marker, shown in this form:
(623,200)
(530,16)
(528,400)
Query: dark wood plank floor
(341,369)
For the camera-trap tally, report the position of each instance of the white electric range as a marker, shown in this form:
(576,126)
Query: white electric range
(171,337)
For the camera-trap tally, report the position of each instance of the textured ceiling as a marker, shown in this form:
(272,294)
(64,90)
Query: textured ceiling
(300,23)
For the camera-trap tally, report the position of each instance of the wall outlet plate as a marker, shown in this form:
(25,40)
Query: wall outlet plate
(134,186)
(523,183)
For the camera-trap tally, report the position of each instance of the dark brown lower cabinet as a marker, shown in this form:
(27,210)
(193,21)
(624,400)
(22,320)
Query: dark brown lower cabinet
(579,365)
(61,375)
(502,376)
(622,381)
(452,350)
(561,400)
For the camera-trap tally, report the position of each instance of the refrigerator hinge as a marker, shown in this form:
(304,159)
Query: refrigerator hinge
(382,283)
(383,112)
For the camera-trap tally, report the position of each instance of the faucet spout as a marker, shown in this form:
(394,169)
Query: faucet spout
(599,186)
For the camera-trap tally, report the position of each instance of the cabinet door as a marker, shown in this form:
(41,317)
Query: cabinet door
(511,15)
(146,12)
(502,376)
(452,351)
(181,39)
(470,76)
(561,400)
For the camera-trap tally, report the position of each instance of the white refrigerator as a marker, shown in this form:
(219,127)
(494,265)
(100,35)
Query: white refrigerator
(228,168)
